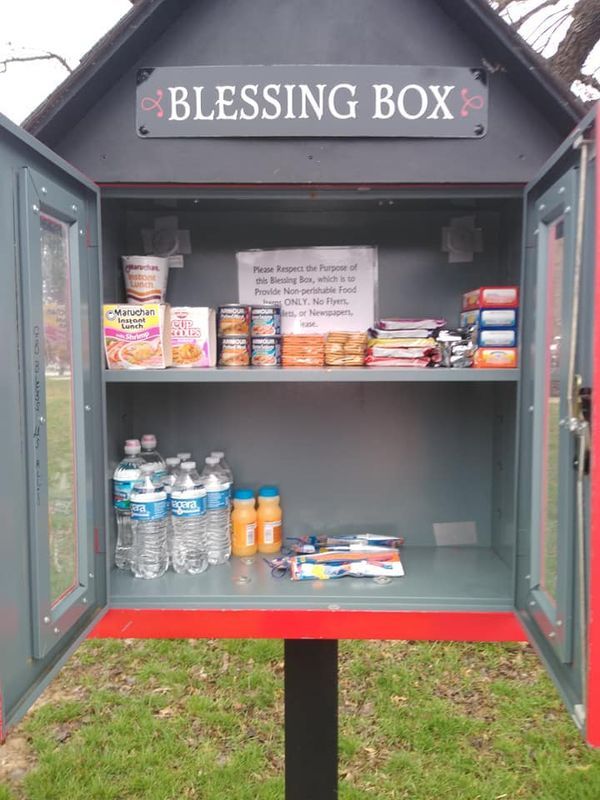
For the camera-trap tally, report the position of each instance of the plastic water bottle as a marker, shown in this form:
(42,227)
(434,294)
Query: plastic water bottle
(151,455)
(172,471)
(149,553)
(228,472)
(188,510)
(220,456)
(125,475)
(218,516)
(184,457)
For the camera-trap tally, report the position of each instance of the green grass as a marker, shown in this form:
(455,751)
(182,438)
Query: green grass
(61,494)
(551,499)
(163,720)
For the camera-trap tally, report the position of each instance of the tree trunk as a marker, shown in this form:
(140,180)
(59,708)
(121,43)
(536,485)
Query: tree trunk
(579,41)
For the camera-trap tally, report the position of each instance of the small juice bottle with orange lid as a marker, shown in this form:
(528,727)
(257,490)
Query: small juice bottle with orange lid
(243,523)
(269,520)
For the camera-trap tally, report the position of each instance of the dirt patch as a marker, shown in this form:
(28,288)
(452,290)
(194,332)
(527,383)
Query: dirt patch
(16,759)
(57,692)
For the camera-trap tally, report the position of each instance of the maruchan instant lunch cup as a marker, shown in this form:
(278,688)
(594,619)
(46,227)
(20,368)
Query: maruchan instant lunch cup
(145,279)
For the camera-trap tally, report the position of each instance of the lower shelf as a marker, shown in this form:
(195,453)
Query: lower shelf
(440,578)
(310,374)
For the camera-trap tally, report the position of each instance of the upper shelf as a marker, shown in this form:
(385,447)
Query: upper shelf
(310,374)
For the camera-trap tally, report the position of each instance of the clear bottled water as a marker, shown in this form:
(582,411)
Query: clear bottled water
(151,455)
(218,511)
(188,510)
(184,457)
(125,475)
(226,469)
(172,464)
(149,552)
(220,456)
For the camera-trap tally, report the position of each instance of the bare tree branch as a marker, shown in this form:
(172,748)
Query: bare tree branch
(4,62)
(548,30)
(533,11)
(502,5)
(547,21)
(580,39)
(589,80)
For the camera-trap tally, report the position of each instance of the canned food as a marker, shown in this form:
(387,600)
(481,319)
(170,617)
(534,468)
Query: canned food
(266,351)
(234,351)
(265,320)
(233,320)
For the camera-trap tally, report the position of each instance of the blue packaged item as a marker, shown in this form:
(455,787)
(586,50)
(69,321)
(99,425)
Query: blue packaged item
(489,318)
(497,337)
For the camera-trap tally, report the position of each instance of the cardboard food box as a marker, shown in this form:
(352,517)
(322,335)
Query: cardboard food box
(497,337)
(137,336)
(496,358)
(489,318)
(193,336)
(491,297)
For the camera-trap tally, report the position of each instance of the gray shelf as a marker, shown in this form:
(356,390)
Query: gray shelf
(446,578)
(311,374)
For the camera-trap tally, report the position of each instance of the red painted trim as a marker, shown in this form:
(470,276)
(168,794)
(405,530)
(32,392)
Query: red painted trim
(309,186)
(593,697)
(449,626)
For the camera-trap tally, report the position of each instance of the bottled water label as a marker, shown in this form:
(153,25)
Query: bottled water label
(148,510)
(188,504)
(121,494)
(217,499)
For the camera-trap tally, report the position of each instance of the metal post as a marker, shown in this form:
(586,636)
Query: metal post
(311,719)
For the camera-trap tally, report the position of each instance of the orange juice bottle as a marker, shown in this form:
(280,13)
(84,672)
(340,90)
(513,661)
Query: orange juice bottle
(269,518)
(243,523)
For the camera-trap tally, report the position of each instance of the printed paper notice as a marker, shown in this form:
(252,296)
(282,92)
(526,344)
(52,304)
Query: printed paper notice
(319,289)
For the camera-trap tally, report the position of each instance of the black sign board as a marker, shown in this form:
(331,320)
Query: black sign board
(312,101)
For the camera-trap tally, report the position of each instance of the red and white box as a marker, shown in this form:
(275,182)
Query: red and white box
(491,297)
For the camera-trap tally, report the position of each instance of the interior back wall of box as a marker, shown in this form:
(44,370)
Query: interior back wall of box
(431,462)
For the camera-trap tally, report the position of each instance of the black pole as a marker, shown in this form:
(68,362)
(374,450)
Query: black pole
(311,719)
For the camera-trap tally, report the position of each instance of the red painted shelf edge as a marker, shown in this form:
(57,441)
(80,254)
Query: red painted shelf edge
(449,626)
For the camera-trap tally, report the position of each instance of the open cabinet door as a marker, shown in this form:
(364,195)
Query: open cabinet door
(559,473)
(52,564)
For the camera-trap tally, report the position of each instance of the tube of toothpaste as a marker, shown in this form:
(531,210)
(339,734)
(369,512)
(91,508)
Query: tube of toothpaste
(357,569)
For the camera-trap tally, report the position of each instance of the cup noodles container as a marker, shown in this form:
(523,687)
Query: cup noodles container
(495,358)
(193,336)
(145,279)
(137,337)
(491,297)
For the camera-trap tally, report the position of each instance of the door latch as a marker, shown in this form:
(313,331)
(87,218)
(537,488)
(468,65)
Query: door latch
(582,420)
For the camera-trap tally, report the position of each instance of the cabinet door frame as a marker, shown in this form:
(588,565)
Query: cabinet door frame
(42,198)
(553,615)
(566,189)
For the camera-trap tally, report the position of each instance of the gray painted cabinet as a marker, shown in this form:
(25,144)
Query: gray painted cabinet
(504,453)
